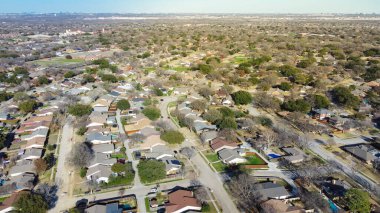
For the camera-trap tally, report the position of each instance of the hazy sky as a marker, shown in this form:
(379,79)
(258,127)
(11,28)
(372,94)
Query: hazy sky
(192,6)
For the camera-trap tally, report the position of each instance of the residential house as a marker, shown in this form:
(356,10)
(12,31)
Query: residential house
(102,159)
(182,201)
(98,138)
(206,137)
(270,190)
(97,119)
(322,114)
(280,206)
(137,104)
(151,141)
(136,124)
(107,208)
(107,148)
(148,131)
(102,104)
(37,143)
(219,143)
(100,173)
(364,152)
(200,127)
(231,156)
(295,155)
(39,133)
(159,151)
(22,167)
(172,165)
(334,189)
(32,154)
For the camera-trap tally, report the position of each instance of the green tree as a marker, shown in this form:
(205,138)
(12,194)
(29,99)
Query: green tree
(43,80)
(21,96)
(82,130)
(3,139)
(158,92)
(83,172)
(212,115)
(205,68)
(358,201)
(226,112)
(119,168)
(27,106)
(152,113)
(242,97)
(343,96)
(299,105)
(88,78)
(123,104)
(172,137)
(320,101)
(151,170)
(80,110)
(228,123)
(4,96)
(285,86)
(31,202)
(109,78)
(69,74)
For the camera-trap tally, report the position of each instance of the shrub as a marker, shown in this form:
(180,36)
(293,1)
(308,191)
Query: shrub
(242,97)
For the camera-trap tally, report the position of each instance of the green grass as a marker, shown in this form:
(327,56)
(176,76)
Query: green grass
(150,69)
(219,166)
(147,205)
(211,208)
(254,160)
(119,155)
(240,59)
(212,157)
(2,199)
(57,61)
(180,69)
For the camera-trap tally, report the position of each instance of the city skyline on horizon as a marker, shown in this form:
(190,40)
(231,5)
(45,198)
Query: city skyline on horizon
(193,6)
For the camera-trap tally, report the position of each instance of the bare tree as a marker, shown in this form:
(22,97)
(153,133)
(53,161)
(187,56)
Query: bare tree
(188,152)
(49,193)
(269,136)
(242,187)
(80,156)
(164,125)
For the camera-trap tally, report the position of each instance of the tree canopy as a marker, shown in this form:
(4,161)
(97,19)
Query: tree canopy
(80,110)
(31,202)
(343,96)
(172,137)
(28,106)
(151,170)
(298,105)
(123,104)
(358,200)
(152,113)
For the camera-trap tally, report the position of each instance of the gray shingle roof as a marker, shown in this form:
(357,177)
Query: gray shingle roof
(271,190)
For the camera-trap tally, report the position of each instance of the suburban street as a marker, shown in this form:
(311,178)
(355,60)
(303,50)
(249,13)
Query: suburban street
(207,176)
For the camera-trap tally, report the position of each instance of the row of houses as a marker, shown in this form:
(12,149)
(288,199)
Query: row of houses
(31,136)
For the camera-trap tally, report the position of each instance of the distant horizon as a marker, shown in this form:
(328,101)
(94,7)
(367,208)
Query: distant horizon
(192,6)
(182,13)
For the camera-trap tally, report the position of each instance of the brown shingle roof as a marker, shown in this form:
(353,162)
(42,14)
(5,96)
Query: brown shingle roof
(181,199)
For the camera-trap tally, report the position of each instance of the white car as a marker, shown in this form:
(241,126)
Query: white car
(153,190)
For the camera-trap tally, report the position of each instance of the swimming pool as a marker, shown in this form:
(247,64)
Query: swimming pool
(333,207)
(274,156)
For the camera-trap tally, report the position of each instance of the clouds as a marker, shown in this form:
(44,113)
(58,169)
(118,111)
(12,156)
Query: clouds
(192,6)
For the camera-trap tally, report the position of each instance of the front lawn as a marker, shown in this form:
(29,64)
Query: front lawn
(119,156)
(219,166)
(212,157)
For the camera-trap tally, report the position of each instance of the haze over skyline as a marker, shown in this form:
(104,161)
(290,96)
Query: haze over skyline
(191,6)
